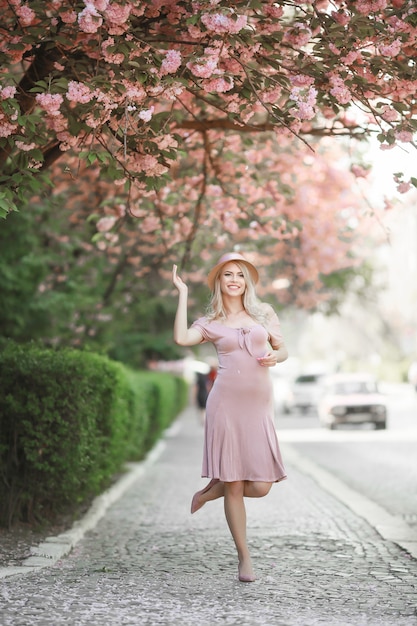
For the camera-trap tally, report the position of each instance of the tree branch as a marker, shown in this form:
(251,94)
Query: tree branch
(41,66)
(227,124)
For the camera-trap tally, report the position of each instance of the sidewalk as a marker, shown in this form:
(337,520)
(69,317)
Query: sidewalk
(149,562)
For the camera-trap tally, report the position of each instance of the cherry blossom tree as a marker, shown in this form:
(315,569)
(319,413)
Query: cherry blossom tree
(123,83)
(242,196)
(204,117)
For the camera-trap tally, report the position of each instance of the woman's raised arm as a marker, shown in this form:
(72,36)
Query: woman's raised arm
(183,336)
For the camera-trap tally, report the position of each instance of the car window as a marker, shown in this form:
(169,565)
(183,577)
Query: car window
(307,378)
(355,386)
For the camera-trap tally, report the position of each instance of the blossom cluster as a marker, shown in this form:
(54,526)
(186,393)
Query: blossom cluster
(126,73)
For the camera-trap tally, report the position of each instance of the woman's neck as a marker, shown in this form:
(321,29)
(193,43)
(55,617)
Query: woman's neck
(233,308)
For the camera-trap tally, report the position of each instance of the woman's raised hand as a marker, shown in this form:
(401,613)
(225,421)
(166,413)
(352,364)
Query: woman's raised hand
(178,282)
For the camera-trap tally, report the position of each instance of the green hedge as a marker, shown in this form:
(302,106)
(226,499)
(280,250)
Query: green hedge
(68,421)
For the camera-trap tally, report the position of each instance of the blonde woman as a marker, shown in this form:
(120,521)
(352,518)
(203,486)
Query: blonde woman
(241,454)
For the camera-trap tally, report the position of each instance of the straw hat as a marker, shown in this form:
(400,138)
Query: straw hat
(227,258)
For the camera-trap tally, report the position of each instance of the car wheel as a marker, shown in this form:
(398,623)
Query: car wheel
(332,426)
(380,426)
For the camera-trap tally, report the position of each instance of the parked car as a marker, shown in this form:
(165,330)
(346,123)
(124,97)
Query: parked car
(351,399)
(305,392)
(412,374)
(282,393)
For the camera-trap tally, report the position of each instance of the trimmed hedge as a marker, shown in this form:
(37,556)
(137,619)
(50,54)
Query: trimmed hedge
(68,422)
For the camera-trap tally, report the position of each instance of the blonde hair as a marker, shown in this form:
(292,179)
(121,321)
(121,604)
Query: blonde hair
(251,303)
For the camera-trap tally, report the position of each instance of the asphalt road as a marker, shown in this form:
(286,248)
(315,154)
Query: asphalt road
(381,465)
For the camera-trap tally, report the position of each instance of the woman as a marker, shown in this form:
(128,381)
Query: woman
(241,451)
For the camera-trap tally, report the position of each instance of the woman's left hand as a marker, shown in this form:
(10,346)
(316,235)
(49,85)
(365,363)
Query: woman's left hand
(269,359)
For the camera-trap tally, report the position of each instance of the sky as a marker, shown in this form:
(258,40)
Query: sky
(387,162)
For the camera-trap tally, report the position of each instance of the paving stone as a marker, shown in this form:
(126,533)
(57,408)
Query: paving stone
(149,562)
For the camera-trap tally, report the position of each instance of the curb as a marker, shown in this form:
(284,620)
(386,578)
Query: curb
(390,527)
(55,548)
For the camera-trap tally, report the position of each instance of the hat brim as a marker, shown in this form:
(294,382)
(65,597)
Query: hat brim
(217,268)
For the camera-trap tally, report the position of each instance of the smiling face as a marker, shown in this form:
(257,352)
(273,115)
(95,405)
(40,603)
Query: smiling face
(232,280)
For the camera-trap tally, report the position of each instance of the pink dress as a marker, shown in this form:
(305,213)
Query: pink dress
(240,441)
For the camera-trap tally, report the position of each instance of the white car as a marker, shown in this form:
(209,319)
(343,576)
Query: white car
(351,399)
(305,392)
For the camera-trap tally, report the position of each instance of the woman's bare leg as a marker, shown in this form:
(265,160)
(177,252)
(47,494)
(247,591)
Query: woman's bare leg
(235,511)
(252,489)
(256,489)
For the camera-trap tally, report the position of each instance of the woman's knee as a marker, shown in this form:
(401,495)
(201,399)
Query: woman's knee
(234,489)
(257,489)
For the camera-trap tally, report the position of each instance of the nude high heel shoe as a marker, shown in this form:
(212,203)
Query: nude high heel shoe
(194,502)
(245,578)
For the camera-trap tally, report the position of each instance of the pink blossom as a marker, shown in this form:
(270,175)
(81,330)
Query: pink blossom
(351,57)
(404,135)
(341,17)
(7,92)
(100,5)
(186,226)
(146,163)
(171,62)
(92,121)
(359,171)
(173,91)
(79,93)
(194,32)
(274,11)
(50,102)
(25,147)
(219,85)
(300,80)
(7,128)
(305,103)
(298,36)
(166,141)
(339,90)
(105,224)
(389,114)
(150,224)
(371,6)
(90,19)
(392,49)
(271,96)
(68,17)
(203,67)
(26,15)
(220,23)
(56,121)
(146,114)
(304,111)
(117,14)
(334,49)
(111,57)
(403,187)
(135,93)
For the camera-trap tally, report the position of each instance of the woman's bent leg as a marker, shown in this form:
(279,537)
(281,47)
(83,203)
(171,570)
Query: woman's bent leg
(234,508)
(256,488)
(213,490)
